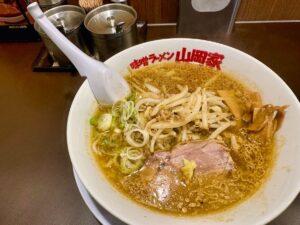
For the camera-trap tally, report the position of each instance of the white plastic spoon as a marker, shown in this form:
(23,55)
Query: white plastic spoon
(107,85)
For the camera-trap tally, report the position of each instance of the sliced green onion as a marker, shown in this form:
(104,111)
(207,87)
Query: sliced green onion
(94,121)
(127,111)
(134,153)
(128,166)
(104,122)
(130,140)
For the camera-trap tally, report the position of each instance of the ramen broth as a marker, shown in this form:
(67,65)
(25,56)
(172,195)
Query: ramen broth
(250,153)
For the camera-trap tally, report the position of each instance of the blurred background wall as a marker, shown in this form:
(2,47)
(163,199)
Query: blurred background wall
(166,11)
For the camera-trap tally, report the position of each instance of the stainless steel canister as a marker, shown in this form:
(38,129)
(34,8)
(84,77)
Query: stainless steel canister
(113,28)
(69,20)
(48,4)
(119,1)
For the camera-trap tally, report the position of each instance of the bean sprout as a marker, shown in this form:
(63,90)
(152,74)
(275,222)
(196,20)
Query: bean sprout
(152,88)
(153,140)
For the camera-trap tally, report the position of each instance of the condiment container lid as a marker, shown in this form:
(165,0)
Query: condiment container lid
(49,2)
(111,19)
(66,17)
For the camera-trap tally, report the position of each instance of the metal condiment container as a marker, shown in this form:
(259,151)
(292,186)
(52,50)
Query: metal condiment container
(113,28)
(48,4)
(68,19)
(119,1)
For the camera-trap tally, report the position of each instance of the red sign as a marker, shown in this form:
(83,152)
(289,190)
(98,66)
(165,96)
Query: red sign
(210,59)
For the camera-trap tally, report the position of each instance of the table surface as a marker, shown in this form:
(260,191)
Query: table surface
(37,183)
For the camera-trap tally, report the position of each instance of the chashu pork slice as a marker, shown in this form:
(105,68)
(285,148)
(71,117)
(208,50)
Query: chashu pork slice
(161,175)
(209,156)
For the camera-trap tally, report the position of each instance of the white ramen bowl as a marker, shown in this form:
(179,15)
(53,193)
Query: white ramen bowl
(273,197)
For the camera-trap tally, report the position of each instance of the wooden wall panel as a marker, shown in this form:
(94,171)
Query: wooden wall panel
(269,10)
(169,10)
(166,11)
(156,11)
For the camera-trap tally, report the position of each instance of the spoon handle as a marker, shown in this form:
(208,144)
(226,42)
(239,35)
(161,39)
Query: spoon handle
(79,59)
(106,85)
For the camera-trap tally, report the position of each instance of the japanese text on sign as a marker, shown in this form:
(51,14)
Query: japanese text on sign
(210,59)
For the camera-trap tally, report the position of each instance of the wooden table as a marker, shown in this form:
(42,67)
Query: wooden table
(36,178)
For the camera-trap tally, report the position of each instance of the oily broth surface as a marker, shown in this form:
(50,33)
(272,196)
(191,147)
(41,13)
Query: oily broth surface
(211,192)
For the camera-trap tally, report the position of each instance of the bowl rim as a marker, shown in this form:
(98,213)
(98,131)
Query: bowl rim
(269,215)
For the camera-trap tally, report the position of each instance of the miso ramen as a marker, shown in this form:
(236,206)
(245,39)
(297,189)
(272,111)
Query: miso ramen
(188,140)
